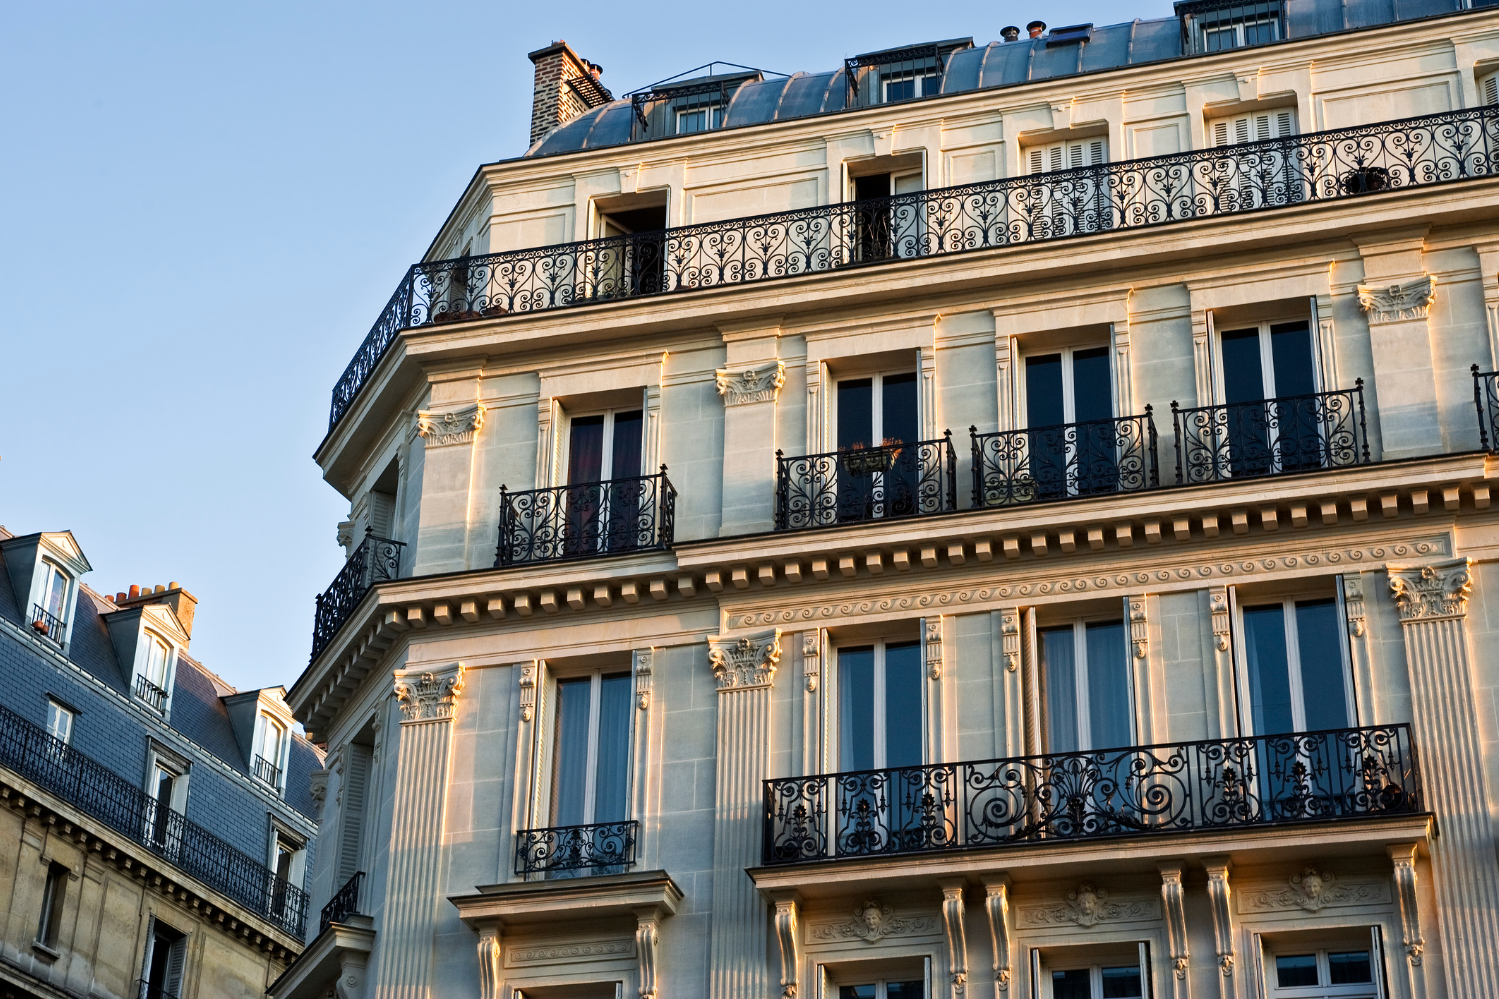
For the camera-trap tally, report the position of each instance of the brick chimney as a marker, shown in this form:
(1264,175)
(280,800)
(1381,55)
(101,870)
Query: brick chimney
(566,86)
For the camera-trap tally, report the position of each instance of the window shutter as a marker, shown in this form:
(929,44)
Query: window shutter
(1036,161)
(175,960)
(1069,155)
(1220,133)
(1253,127)
(1488,88)
(357,771)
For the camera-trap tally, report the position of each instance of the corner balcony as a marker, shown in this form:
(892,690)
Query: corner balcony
(1364,161)
(586,520)
(372,560)
(1218,786)
(863,484)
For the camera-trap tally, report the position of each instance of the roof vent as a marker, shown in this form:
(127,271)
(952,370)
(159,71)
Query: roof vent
(1010,33)
(1073,33)
(1035,28)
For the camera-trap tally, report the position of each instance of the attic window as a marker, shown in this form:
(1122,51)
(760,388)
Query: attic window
(48,616)
(1214,26)
(679,106)
(270,752)
(153,671)
(903,74)
(1072,34)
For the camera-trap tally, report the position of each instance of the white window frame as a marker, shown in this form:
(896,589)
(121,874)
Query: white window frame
(879,644)
(264,723)
(1265,970)
(1090,150)
(1488,88)
(51,573)
(1293,658)
(712,114)
(1041,968)
(606,463)
(1080,678)
(148,640)
(921,76)
(179,946)
(1069,403)
(877,403)
(159,758)
(60,716)
(280,834)
(547,805)
(1267,355)
(1252,126)
(1236,26)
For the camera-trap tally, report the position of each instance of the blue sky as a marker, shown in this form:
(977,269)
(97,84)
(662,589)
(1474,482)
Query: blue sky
(204,207)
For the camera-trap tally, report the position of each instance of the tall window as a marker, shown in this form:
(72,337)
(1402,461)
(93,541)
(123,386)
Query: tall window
(53,894)
(883,229)
(353,797)
(1075,204)
(877,410)
(1296,667)
(269,754)
(54,590)
(155,659)
(879,471)
(591,754)
(286,857)
(603,464)
(1086,683)
(880,713)
(1070,386)
(605,446)
(166,952)
(59,721)
(1268,370)
(166,789)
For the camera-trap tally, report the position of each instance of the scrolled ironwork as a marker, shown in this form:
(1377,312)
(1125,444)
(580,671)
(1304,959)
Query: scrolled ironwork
(1109,197)
(374,559)
(586,520)
(861,484)
(88,785)
(343,904)
(150,694)
(1300,433)
(1486,399)
(1093,458)
(1141,790)
(266,771)
(598,848)
(48,626)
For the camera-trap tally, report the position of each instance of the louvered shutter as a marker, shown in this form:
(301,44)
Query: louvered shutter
(176,958)
(1068,155)
(356,785)
(1274,124)
(1488,88)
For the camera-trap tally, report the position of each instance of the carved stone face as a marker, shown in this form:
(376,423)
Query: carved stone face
(872,915)
(1087,900)
(1312,883)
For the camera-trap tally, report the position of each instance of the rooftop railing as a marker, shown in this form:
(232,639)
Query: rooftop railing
(862,484)
(343,904)
(372,560)
(586,520)
(1143,790)
(599,848)
(1111,197)
(94,789)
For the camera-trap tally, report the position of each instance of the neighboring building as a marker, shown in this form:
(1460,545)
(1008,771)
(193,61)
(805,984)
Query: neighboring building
(1174,676)
(160,822)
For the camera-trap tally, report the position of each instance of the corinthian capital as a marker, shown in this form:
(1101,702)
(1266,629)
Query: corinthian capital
(443,429)
(758,383)
(1395,302)
(749,661)
(428,695)
(1426,592)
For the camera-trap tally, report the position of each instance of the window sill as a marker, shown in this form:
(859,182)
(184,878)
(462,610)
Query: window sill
(44,952)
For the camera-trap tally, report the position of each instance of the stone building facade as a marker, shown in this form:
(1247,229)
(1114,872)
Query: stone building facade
(1006,520)
(158,821)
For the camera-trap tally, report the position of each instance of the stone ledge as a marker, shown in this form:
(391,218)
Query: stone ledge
(325,959)
(520,902)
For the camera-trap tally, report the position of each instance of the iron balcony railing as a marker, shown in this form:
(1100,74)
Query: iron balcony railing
(267,771)
(1130,194)
(150,694)
(47,625)
(862,484)
(586,520)
(1486,399)
(94,789)
(1186,787)
(343,904)
(374,559)
(145,990)
(1093,458)
(1299,433)
(600,848)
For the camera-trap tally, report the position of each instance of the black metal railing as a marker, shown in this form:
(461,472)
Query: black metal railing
(1130,194)
(600,848)
(586,520)
(343,904)
(267,771)
(1299,433)
(45,624)
(1094,458)
(93,788)
(1186,787)
(861,484)
(374,559)
(145,990)
(150,694)
(1486,399)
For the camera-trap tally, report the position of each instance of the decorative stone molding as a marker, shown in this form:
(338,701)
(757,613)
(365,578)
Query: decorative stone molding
(932,644)
(1403,856)
(1313,890)
(1139,627)
(1353,603)
(345,534)
(446,429)
(1089,905)
(748,661)
(997,908)
(872,922)
(317,787)
(1219,893)
(758,383)
(647,938)
(1173,895)
(491,973)
(1430,592)
(811,658)
(351,974)
(529,671)
(429,695)
(591,951)
(645,661)
(790,943)
(1009,629)
(952,931)
(1393,303)
(1218,607)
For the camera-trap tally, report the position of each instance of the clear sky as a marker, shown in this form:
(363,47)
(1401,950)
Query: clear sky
(204,206)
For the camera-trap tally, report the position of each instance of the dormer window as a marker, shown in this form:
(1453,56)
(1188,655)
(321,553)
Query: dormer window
(270,752)
(699,118)
(1214,26)
(153,671)
(899,74)
(49,614)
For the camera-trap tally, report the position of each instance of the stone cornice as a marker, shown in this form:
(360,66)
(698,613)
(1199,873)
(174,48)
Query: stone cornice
(544,901)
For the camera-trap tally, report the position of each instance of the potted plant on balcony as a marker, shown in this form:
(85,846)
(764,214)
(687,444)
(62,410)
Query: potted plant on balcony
(860,461)
(1365,180)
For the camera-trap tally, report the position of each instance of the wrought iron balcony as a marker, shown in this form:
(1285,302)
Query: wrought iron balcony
(145,990)
(586,520)
(48,626)
(343,904)
(94,789)
(1144,790)
(1094,458)
(862,484)
(374,559)
(150,694)
(1130,194)
(1298,433)
(1486,398)
(600,848)
(267,771)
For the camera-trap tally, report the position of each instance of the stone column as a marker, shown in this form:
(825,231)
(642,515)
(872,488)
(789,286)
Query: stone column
(1432,601)
(749,393)
(448,434)
(1396,296)
(429,703)
(745,668)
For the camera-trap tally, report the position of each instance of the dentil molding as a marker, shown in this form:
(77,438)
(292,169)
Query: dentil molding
(746,661)
(1431,592)
(757,383)
(429,695)
(1392,303)
(446,429)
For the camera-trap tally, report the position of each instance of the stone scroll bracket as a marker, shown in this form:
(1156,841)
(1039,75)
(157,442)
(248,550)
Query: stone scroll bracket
(491,967)
(647,941)
(941,702)
(788,939)
(1403,857)
(1218,869)
(1173,897)
(953,932)
(1001,938)
(1361,648)
(1222,650)
(812,644)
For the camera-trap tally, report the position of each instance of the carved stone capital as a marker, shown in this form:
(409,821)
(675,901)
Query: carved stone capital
(747,661)
(1392,303)
(429,695)
(1431,592)
(757,383)
(529,672)
(317,787)
(645,662)
(445,429)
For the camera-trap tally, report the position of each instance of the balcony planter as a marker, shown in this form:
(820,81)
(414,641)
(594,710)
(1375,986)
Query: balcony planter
(1365,180)
(861,462)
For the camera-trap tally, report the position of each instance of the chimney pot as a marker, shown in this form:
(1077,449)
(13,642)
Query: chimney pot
(159,589)
(174,585)
(1036,28)
(1010,33)
(135,590)
(120,597)
(553,101)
